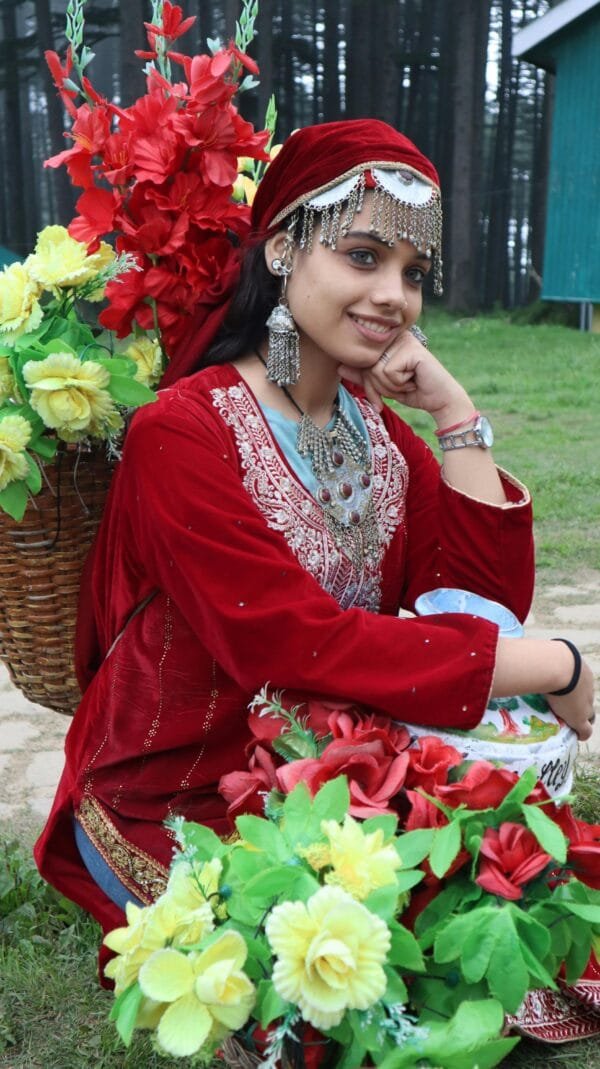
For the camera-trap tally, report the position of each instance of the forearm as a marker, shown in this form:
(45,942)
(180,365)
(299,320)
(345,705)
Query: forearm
(470,469)
(531,666)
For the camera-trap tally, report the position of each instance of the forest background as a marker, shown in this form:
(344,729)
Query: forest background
(439,70)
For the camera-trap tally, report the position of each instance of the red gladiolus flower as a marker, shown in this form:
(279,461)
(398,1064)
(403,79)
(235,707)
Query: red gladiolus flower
(127,301)
(245,791)
(374,778)
(89,132)
(173,23)
(430,761)
(96,209)
(59,74)
(241,57)
(483,787)
(512,857)
(157,156)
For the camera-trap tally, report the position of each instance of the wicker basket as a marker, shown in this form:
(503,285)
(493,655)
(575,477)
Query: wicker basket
(40,567)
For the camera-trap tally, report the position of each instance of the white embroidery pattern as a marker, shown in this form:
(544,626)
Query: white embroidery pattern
(289,508)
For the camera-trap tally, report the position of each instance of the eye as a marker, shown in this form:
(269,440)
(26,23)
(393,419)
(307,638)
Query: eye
(416,275)
(363,257)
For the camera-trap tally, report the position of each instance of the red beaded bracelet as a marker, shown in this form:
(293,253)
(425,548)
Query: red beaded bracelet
(455,426)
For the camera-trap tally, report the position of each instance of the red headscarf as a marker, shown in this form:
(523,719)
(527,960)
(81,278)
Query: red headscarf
(311,158)
(318,155)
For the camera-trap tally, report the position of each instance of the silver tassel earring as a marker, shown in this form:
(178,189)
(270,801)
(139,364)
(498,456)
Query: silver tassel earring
(283,356)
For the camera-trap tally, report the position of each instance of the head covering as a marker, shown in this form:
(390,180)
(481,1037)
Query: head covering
(322,172)
(325,170)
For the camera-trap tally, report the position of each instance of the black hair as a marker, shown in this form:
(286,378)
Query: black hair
(253,300)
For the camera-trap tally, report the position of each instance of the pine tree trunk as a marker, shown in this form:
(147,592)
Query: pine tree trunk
(14,173)
(331,62)
(132,83)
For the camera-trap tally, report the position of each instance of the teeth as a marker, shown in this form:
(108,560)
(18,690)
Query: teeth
(370,325)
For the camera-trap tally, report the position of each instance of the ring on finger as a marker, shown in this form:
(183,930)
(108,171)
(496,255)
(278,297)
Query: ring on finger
(385,358)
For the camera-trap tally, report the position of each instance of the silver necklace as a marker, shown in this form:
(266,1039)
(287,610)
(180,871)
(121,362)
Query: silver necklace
(340,459)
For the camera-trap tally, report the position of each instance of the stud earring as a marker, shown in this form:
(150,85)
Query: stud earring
(283,355)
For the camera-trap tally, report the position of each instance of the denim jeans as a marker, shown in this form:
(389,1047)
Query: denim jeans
(100,871)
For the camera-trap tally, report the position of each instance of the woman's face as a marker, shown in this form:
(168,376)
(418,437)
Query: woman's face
(352,302)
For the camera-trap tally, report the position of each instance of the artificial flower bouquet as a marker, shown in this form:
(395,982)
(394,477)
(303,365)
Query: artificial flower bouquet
(383,904)
(59,382)
(158,176)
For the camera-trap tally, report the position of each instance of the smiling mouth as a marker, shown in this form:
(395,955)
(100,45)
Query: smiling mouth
(376,326)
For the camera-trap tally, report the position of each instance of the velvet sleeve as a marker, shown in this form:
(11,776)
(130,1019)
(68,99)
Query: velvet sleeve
(200,538)
(454,540)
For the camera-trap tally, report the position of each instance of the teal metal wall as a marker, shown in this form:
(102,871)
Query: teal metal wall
(572,249)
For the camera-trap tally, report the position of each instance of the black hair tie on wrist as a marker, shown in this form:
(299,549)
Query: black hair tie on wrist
(574,680)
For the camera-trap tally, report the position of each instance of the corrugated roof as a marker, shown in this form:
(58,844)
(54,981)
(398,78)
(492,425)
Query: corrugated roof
(552,22)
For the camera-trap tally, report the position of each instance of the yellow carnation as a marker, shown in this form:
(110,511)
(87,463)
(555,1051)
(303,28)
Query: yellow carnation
(20,310)
(208,992)
(59,260)
(330,955)
(69,395)
(7,382)
(146,354)
(15,433)
(192,884)
(150,928)
(361,861)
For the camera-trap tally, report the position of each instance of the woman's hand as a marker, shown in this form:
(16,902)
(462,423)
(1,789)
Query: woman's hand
(540,666)
(410,374)
(577,708)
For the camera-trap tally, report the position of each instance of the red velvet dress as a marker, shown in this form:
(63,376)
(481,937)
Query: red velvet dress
(251,587)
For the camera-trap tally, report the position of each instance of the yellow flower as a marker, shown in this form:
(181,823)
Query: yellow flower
(59,260)
(318,855)
(69,395)
(330,954)
(150,928)
(244,188)
(147,355)
(15,432)
(209,995)
(361,862)
(7,382)
(20,310)
(192,884)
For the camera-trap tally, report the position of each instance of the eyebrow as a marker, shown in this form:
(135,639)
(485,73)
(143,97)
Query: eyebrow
(370,236)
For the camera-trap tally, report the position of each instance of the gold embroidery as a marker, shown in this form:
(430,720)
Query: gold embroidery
(141,874)
(167,643)
(208,719)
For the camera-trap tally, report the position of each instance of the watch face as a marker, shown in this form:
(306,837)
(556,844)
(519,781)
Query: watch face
(484,428)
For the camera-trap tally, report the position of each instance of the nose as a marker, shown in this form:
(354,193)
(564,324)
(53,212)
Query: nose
(389,291)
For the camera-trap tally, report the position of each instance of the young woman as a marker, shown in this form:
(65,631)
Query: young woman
(270,517)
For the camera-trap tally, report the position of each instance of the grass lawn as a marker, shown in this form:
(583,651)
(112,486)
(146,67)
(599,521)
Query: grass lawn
(539,385)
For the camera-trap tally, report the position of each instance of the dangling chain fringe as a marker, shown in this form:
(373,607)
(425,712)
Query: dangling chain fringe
(283,358)
(391,219)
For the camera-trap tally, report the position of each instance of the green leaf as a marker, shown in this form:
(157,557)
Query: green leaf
(272,882)
(125,1010)
(404,949)
(449,941)
(383,901)
(459,893)
(395,991)
(587,912)
(293,747)
(445,847)
(34,476)
(13,499)
(269,1005)
(386,823)
(488,1055)
(537,971)
(406,879)
(507,974)
(522,788)
(126,391)
(578,956)
(204,841)
(413,846)
(547,833)
(478,947)
(44,447)
(263,835)
(333,800)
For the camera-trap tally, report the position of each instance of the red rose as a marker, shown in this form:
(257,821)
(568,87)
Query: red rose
(483,787)
(374,777)
(429,763)
(245,791)
(512,857)
(359,730)
(423,813)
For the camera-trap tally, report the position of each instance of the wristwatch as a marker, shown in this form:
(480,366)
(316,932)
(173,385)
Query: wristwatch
(480,434)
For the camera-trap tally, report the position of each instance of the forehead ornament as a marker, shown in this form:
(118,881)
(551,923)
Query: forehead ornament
(406,206)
